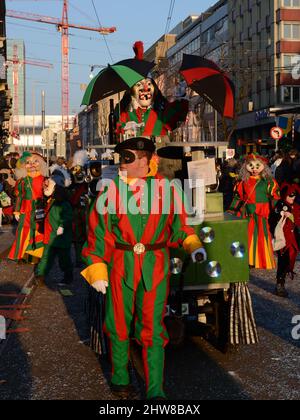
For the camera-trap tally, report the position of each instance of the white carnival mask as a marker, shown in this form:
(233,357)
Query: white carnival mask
(255,167)
(48,187)
(143,92)
(32,164)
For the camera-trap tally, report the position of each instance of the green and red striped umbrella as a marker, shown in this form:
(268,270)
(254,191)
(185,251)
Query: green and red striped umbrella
(116,78)
(210,82)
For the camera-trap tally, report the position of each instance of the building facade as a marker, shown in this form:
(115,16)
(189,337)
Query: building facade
(5,95)
(264,41)
(206,35)
(257,42)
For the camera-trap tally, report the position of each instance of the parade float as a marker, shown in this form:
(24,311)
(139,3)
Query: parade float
(210,298)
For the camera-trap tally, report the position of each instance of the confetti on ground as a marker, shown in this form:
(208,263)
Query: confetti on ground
(66,292)
(26,290)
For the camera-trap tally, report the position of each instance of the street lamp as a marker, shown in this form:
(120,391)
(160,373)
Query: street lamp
(93,67)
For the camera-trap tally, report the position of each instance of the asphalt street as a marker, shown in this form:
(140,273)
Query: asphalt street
(53,360)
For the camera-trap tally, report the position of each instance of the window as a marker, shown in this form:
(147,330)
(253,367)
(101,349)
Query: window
(289,61)
(286,94)
(290,94)
(291,3)
(296,95)
(291,30)
(259,11)
(258,86)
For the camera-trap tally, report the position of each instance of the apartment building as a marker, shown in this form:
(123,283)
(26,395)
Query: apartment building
(5,96)
(205,35)
(264,44)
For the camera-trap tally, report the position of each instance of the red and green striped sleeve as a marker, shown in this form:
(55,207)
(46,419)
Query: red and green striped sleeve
(100,240)
(237,198)
(19,194)
(273,192)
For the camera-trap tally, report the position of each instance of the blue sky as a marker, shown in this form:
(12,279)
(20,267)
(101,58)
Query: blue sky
(135,20)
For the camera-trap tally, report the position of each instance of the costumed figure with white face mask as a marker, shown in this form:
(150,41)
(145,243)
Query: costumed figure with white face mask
(57,226)
(79,201)
(30,171)
(145,111)
(255,192)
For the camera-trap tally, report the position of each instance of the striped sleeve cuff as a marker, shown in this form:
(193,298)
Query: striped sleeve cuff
(191,243)
(95,272)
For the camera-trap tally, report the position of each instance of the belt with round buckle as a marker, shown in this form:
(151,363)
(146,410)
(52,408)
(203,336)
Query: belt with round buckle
(139,248)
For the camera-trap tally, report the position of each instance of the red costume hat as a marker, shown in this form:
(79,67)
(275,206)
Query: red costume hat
(288,189)
(138,48)
(255,156)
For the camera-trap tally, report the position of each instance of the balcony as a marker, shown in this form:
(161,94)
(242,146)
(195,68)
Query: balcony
(288,15)
(289,47)
(286,79)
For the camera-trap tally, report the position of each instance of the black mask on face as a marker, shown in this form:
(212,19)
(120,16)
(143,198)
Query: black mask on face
(126,156)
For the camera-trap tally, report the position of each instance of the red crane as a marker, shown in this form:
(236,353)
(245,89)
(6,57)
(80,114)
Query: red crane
(15,62)
(63,26)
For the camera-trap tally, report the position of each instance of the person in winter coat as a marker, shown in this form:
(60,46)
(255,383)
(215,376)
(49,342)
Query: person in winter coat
(57,227)
(287,213)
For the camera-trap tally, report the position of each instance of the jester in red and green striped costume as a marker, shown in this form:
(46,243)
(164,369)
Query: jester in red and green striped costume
(127,252)
(145,110)
(29,192)
(255,195)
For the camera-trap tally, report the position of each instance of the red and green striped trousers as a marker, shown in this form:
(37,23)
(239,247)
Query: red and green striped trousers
(140,311)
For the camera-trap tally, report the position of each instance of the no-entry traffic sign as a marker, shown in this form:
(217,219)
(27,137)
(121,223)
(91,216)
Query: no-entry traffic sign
(276,133)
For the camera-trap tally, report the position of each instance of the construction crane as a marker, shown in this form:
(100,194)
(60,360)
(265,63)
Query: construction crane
(15,63)
(63,26)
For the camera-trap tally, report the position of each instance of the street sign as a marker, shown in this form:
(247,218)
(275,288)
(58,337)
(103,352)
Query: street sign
(276,133)
(47,138)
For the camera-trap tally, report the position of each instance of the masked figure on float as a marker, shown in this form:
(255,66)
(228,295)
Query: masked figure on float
(30,173)
(145,111)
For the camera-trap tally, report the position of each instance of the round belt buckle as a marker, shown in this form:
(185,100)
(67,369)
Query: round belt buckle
(139,248)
